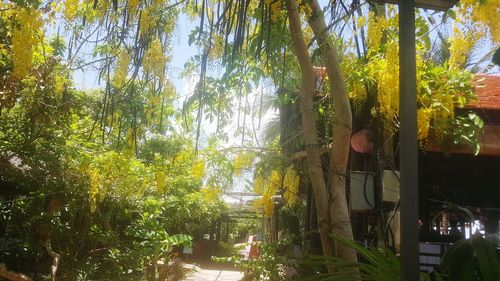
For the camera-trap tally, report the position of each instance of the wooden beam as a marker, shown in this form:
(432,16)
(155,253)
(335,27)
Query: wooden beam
(439,5)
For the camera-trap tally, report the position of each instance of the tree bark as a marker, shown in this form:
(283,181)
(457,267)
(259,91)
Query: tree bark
(309,128)
(342,127)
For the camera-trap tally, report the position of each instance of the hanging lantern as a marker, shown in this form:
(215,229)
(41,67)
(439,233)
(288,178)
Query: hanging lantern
(362,141)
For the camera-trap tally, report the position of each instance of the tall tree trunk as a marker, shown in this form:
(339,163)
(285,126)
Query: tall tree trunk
(309,128)
(342,127)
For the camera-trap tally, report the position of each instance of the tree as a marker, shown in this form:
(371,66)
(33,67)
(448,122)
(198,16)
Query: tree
(309,128)
(342,126)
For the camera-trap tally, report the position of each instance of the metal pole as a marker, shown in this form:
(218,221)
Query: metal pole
(408,143)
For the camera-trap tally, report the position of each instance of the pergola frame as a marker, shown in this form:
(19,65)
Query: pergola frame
(438,5)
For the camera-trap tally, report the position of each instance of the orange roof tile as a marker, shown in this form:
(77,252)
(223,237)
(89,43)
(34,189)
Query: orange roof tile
(487,91)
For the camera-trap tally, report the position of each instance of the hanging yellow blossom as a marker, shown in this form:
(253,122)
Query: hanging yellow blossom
(268,206)
(274,9)
(291,183)
(70,9)
(121,69)
(148,21)
(424,116)
(198,170)
(361,22)
(258,185)
(484,12)
(217,50)
(154,59)
(132,6)
(305,8)
(386,72)
(210,194)
(274,182)
(102,8)
(60,83)
(358,93)
(461,45)
(161,181)
(257,203)
(242,161)
(376,28)
(268,188)
(112,175)
(24,39)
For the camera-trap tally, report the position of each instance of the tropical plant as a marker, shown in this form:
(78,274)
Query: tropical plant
(152,243)
(376,264)
(474,259)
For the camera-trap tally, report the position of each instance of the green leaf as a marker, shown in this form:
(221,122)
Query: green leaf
(489,265)
(451,13)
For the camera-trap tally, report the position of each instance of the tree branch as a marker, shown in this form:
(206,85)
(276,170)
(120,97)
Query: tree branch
(55,259)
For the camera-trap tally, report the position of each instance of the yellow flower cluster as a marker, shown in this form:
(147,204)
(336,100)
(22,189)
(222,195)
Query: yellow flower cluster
(258,185)
(148,21)
(291,183)
(130,139)
(485,12)
(242,161)
(198,170)
(305,8)
(210,194)
(358,93)
(361,22)
(132,6)
(385,70)
(70,9)
(60,83)
(442,113)
(461,45)
(153,104)
(268,188)
(154,59)
(24,40)
(376,28)
(121,69)
(275,9)
(424,116)
(217,50)
(161,180)
(274,182)
(112,173)
(102,8)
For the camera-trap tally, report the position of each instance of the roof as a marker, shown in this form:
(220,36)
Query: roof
(487,91)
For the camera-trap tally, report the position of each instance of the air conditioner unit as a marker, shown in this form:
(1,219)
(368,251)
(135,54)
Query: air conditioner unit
(390,186)
(361,195)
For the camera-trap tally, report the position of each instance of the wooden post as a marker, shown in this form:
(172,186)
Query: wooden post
(408,143)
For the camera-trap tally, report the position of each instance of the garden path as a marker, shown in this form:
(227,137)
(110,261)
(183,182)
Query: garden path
(200,274)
